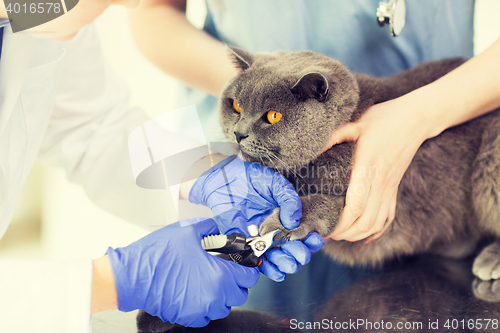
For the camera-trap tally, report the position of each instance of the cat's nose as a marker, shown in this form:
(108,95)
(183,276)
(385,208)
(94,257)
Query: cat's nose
(240,136)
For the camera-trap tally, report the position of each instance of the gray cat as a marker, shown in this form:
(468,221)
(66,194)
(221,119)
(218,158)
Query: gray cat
(283,107)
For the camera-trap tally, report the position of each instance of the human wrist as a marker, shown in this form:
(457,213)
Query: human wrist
(426,111)
(467,92)
(104,296)
(439,112)
(153,21)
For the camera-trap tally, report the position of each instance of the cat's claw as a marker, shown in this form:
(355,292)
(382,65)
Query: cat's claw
(487,264)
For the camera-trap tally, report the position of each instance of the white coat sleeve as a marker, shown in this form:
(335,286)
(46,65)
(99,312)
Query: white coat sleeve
(88,136)
(45,297)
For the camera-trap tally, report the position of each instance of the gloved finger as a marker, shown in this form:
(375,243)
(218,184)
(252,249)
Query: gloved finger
(236,297)
(284,262)
(314,241)
(218,312)
(202,225)
(271,271)
(245,277)
(238,231)
(195,321)
(232,220)
(202,316)
(297,250)
(257,220)
(287,198)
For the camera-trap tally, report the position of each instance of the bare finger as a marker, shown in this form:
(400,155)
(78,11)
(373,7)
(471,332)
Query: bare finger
(356,200)
(391,215)
(347,132)
(372,220)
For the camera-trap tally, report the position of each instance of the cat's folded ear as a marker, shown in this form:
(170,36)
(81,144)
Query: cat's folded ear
(311,85)
(241,58)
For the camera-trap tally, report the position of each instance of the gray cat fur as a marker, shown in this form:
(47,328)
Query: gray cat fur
(448,198)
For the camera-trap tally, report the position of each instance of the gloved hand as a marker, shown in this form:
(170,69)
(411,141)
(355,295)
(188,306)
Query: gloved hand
(168,274)
(242,193)
(287,258)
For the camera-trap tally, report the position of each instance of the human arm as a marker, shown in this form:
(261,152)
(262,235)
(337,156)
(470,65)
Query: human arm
(164,35)
(104,296)
(88,136)
(388,135)
(60,296)
(168,274)
(170,267)
(66,26)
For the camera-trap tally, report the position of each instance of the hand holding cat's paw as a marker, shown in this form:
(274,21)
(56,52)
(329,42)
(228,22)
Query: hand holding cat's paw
(251,192)
(286,260)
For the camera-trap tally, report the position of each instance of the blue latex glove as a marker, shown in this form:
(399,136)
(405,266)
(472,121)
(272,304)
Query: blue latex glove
(168,274)
(289,255)
(240,194)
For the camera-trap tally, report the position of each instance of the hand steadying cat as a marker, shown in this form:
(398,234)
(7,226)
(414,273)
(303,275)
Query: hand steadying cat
(463,94)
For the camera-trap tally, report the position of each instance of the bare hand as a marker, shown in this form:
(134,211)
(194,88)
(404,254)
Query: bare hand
(387,135)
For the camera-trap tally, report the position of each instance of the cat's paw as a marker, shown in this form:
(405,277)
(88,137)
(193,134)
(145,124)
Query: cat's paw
(273,222)
(488,291)
(487,264)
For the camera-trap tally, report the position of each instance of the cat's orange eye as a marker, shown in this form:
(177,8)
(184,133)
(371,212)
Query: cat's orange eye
(273,117)
(236,107)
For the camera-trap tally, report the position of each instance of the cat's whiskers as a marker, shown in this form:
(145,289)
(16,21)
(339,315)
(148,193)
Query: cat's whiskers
(287,167)
(276,167)
(262,161)
(271,161)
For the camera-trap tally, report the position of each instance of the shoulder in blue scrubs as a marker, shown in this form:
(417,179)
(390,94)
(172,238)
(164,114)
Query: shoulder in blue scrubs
(345,30)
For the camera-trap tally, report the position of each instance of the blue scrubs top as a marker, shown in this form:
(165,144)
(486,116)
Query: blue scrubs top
(343,29)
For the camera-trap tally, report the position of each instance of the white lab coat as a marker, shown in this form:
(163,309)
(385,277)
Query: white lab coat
(61,102)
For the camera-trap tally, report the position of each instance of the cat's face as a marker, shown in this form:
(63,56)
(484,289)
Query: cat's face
(283,107)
